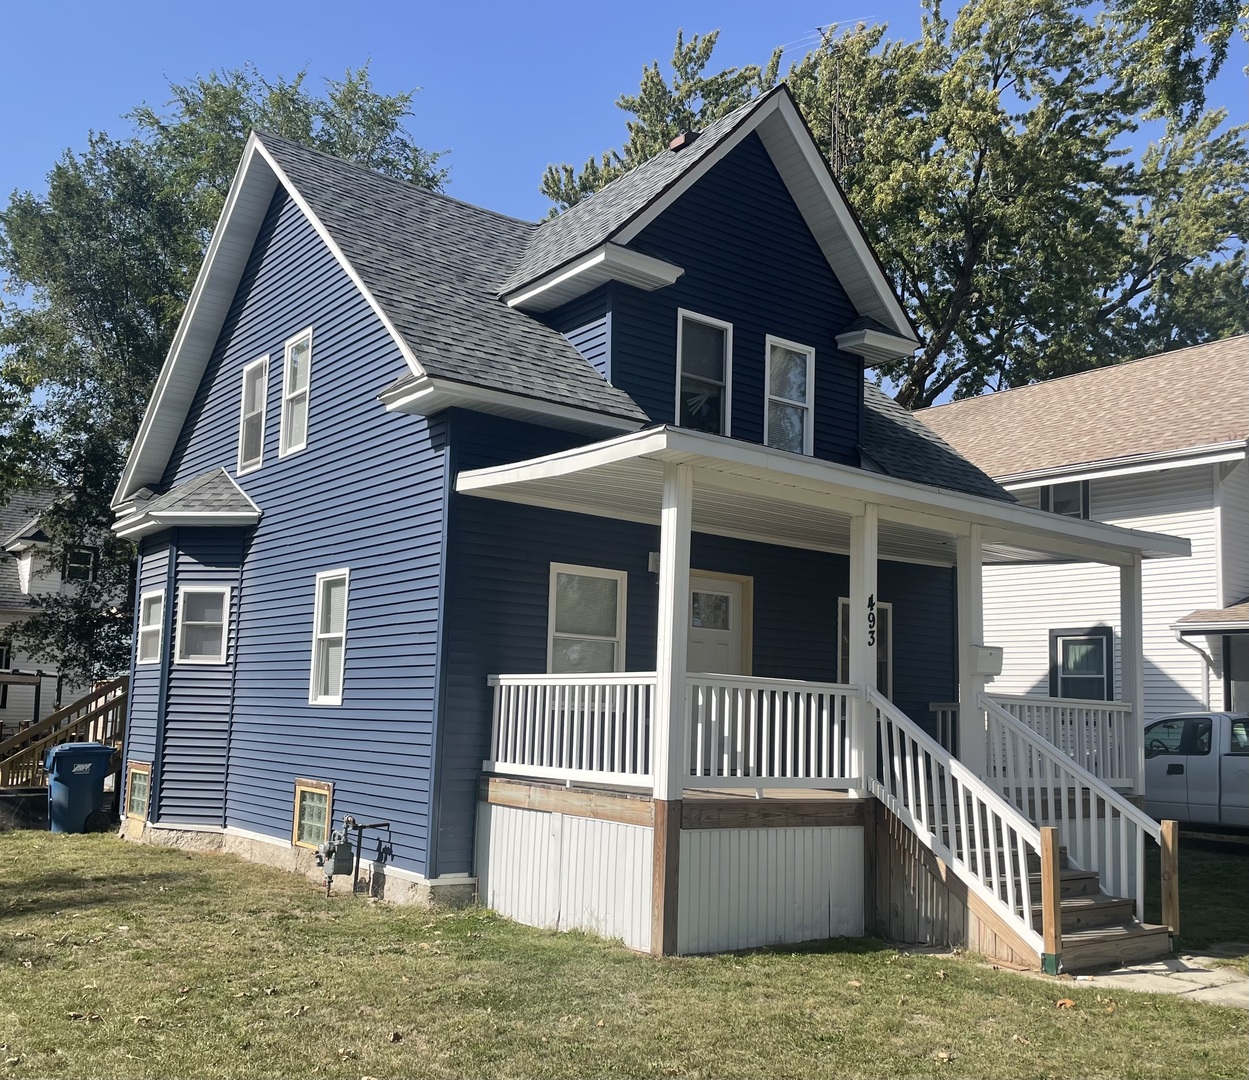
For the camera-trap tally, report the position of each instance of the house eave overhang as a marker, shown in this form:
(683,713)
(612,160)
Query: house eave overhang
(876,347)
(425,396)
(142,523)
(800,501)
(610,262)
(1128,464)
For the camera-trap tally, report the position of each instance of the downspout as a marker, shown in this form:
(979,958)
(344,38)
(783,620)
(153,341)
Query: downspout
(1206,667)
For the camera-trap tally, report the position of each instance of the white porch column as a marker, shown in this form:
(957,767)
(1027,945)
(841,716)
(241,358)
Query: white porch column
(973,746)
(1132,664)
(864,532)
(671,641)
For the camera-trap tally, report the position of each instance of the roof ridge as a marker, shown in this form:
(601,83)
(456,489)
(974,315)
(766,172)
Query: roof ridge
(997,394)
(408,185)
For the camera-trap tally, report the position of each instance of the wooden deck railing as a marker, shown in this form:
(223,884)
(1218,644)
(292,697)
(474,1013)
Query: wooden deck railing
(591,728)
(1101,830)
(745,732)
(1100,736)
(99,716)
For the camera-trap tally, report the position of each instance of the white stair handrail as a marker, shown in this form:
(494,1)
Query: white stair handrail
(1050,776)
(981,836)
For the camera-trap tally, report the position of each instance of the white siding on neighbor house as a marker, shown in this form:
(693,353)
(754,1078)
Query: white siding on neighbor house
(566,873)
(741,888)
(1022,604)
(1234,531)
(19,701)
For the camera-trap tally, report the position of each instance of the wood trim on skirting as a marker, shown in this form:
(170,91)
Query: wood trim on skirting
(738,813)
(624,807)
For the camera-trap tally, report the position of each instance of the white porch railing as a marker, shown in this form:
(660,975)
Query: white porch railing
(1100,736)
(593,728)
(1102,831)
(989,843)
(744,732)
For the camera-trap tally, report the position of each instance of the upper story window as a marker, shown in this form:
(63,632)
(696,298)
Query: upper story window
(788,424)
(79,564)
(586,619)
(329,638)
(202,615)
(296,379)
(1071,499)
(252,415)
(151,626)
(704,373)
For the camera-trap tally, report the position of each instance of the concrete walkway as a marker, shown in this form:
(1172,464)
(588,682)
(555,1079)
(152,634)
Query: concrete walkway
(1196,977)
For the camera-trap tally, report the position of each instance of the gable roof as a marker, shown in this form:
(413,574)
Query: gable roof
(213,498)
(1176,404)
(617,213)
(900,446)
(19,520)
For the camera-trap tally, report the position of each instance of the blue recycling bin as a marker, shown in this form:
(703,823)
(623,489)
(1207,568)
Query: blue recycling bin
(76,773)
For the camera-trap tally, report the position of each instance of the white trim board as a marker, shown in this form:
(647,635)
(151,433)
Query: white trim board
(1213,454)
(608,262)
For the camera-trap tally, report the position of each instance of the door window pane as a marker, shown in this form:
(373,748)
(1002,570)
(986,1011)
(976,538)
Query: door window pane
(711,611)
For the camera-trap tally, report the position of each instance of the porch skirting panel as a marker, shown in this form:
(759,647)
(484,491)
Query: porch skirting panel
(566,872)
(742,888)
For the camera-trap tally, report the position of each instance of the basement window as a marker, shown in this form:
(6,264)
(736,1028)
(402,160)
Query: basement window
(138,788)
(313,804)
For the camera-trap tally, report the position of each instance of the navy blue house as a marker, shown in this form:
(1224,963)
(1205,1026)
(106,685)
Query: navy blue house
(505,533)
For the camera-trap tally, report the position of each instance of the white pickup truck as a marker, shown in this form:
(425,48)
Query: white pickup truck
(1197,769)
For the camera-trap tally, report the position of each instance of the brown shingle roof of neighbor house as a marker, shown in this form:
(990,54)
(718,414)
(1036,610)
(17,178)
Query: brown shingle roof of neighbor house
(1235,617)
(1170,403)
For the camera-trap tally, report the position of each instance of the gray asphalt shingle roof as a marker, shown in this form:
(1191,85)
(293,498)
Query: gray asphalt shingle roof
(212,492)
(434,264)
(594,221)
(903,447)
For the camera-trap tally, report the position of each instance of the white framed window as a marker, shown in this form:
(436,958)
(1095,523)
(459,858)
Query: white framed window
(203,614)
(586,619)
(151,626)
(296,383)
(884,644)
(79,564)
(1070,498)
(704,373)
(255,393)
(787,423)
(329,638)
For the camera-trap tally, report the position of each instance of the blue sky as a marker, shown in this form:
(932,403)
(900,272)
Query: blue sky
(507,88)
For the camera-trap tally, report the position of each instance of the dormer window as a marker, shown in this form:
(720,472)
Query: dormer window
(791,389)
(704,370)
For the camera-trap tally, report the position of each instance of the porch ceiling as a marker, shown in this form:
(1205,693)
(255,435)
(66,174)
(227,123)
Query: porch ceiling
(756,493)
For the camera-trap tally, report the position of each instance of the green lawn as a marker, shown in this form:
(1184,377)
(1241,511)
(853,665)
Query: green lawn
(128,961)
(1214,893)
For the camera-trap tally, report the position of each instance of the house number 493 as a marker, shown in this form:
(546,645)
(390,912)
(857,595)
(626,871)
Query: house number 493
(871,621)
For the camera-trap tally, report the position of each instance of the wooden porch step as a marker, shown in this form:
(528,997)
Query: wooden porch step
(1089,910)
(1114,945)
(1071,882)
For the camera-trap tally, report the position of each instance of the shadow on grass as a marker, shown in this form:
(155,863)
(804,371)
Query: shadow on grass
(40,894)
(1214,881)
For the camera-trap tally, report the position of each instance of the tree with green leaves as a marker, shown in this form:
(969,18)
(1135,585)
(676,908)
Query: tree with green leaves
(98,270)
(989,162)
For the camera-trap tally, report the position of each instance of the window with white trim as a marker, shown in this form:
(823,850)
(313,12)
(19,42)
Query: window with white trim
(252,415)
(1070,498)
(586,619)
(151,627)
(704,372)
(296,381)
(203,612)
(79,564)
(787,424)
(1080,664)
(329,638)
(884,644)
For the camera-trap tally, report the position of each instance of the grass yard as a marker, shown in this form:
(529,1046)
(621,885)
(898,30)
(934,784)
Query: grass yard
(1214,893)
(127,961)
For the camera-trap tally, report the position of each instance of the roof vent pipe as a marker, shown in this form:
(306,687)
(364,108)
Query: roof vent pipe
(683,140)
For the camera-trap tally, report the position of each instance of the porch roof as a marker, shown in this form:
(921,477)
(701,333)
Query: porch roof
(758,493)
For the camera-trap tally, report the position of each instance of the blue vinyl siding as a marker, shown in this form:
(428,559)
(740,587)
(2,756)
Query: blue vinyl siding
(367,494)
(586,323)
(144,703)
(499,589)
(750,260)
(197,704)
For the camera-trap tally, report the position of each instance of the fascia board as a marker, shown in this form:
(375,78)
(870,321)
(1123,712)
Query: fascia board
(1128,465)
(609,262)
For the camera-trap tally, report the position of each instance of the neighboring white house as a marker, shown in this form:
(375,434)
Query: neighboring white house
(25,575)
(1157,444)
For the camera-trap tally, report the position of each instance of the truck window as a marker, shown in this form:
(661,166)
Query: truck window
(1164,737)
(1199,736)
(1240,737)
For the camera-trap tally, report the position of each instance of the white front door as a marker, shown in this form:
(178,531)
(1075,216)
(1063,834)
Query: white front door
(716,626)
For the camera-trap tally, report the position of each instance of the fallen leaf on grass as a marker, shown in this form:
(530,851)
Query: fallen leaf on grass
(1023,1039)
(1065,1003)
(142,1019)
(184,989)
(271,991)
(855,983)
(13,1061)
(1110,1009)
(902,1000)
(944,1056)
(942,975)
(600,1023)
(346,1052)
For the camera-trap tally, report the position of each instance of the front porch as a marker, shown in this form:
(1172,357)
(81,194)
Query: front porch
(670,736)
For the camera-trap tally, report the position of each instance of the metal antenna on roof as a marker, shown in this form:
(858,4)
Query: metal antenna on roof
(834,110)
